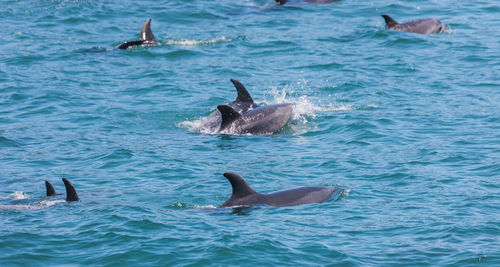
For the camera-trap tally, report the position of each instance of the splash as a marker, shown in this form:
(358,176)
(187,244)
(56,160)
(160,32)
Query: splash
(16,195)
(193,43)
(305,110)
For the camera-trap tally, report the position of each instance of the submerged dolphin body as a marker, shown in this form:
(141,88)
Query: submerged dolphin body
(244,196)
(282,2)
(423,26)
(147,38)
(71,195)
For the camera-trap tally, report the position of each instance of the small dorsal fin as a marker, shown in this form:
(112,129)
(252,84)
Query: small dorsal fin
(146,33)
(243,95)
(240,186)
(71,194)
(228,115)
(50,189)
(389,22)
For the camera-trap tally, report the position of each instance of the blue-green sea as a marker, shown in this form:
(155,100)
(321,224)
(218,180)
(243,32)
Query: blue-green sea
(407,125)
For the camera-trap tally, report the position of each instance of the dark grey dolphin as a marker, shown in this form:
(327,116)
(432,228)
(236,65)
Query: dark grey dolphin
(261,120)
(147,38)
(244,196)
(50,189)
(243,116)
(242,104)
(282,2)
(71,195)
(424,26)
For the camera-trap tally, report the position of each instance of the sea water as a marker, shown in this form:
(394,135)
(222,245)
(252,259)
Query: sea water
(408,125)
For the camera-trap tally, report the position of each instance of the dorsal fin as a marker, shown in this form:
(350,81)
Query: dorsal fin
(228,115)
(146,33)
(240,186)
(389,22)
(243,95)
(281,2)
(71,194)
(50,189)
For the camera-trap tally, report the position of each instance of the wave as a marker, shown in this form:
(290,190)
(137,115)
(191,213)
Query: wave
(18,195)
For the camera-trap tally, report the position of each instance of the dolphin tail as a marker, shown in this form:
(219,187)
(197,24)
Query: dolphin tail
(71,194)
(243,95)
(50,189)
(228,115)
(389,22)
(146,33)
(239,185)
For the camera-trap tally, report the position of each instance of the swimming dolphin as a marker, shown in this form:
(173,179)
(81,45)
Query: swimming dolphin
(261,120)
(244,196)
(243,116)
(71,195)
(282,2)
(50,189)
(424,26)
(242,104)
(147,38)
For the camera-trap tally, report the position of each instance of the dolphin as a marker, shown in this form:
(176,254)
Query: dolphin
(282,2)
(147,38)
(261,120)
(50,189)
(243,116)
(242,104)
(424,26)
(71,195)
(244,196)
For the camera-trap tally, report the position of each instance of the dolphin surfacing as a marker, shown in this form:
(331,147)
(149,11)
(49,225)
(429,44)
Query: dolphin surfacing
(244,196)
(243,116)
(147,38)
(423,26)
(50,191)
(71,195)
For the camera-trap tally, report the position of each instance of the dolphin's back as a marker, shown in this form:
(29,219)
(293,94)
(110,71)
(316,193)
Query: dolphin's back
(298,196)
(424,26)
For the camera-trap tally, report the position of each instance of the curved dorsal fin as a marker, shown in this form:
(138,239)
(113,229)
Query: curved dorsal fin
(228,115)
(50,189)
(243,95)
(71,194)
(146,33)
(240,186)
(389,22)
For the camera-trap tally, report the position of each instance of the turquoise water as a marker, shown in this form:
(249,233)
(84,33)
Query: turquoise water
(408,125)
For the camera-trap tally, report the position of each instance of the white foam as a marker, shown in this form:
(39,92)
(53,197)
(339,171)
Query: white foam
(16,195)
(49,203)
(205,207)
(345,192)
(192,42)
